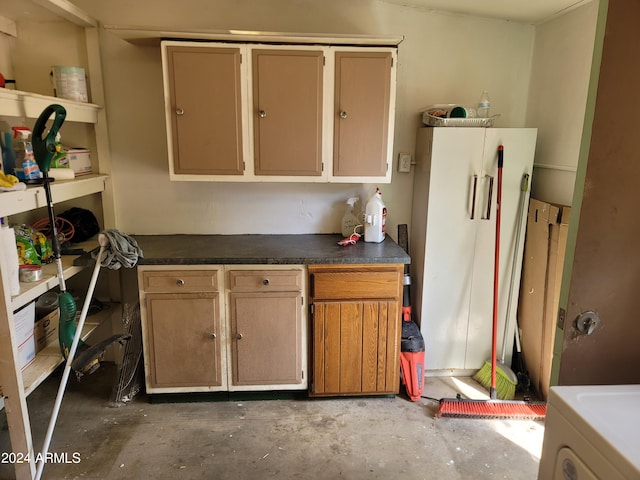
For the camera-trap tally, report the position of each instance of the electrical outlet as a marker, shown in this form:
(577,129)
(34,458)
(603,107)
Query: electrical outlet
(404,162)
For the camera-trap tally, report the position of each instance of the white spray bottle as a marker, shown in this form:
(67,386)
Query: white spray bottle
(349,219)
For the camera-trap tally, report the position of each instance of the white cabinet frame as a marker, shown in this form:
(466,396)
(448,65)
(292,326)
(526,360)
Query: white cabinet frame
(247,117)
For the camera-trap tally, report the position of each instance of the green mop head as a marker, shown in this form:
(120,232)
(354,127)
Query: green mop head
(506,380)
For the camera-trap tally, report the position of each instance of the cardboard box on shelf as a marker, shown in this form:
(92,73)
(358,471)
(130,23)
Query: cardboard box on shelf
(46,330)
(23,322)
(79,160)
(543,263)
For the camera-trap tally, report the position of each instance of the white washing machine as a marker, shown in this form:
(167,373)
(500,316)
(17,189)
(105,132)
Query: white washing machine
(592,432)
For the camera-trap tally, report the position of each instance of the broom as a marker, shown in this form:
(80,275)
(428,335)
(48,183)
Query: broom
(506,380)
(494,408)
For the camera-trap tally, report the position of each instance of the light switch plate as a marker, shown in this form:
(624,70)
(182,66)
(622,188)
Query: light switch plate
(404,162)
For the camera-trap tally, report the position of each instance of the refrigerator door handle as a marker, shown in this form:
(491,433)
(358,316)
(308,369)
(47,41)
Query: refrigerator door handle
(488,216)
(474,190)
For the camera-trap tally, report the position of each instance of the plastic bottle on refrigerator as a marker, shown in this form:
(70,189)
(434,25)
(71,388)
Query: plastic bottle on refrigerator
(375,217)
(484,105)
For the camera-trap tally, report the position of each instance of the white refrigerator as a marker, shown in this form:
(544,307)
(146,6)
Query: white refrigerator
(452,241)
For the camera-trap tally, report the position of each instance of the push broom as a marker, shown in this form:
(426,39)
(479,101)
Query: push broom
(506,379)
(494,407)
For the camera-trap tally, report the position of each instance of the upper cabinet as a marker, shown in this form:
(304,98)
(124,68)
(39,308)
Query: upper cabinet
(204,110)
(287,111)
(362,127)
(258,112)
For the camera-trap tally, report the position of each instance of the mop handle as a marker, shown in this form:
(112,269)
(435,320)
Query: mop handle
(67,367)
(524,187)
(496,273)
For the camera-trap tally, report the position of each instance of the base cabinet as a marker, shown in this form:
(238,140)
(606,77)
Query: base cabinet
(265,309)
(266,341)
(184,333)
(182,329)
(355,329)
(219,328)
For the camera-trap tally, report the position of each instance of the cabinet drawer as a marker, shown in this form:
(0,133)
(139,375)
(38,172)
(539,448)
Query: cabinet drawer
(355,285)
(265,280)
(180,281)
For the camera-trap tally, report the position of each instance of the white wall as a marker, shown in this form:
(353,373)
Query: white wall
(444,58)
(557,100)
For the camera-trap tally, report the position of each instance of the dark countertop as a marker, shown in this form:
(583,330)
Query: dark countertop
(264,249)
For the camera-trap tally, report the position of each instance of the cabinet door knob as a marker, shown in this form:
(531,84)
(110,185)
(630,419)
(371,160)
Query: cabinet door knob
(239,336)
(343,114)
(212,335)
(180,282)
(266,282)
(179,111)
(262,114)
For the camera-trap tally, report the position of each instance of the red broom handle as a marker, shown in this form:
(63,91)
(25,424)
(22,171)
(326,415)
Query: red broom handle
(496,273)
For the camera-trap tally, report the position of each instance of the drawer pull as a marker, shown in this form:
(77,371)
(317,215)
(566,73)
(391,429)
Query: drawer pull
(239,336)
(180,282)
(212,335)
(265,282)
(488,217)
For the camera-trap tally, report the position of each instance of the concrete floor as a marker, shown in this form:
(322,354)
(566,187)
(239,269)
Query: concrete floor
(350,438)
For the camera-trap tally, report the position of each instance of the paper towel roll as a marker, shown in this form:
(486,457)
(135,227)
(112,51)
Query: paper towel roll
(62,173)
(11,274)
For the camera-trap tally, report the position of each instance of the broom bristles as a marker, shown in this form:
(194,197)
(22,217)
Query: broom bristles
(488,409)
(506,380)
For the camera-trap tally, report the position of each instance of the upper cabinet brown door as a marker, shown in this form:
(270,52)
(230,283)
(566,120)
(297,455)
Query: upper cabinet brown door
(206,111)
(287,112)
(361,113)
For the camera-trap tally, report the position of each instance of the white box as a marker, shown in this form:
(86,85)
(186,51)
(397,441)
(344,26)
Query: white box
(23,321)
(80,160)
